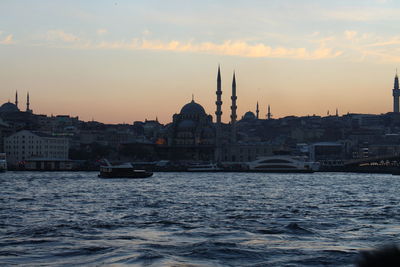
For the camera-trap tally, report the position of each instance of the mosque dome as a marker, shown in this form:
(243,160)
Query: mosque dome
(249,116)
(193,108)
(186,124)
(8,107)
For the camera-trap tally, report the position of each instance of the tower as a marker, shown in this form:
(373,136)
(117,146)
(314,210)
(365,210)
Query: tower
(16,98)
(233,110)
(28,103)
(396,94)
(257,111)
(269,115)
(218,113)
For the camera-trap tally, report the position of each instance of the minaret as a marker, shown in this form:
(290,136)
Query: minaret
(269,115)
(233,110)
(337,113)
(396,94)
(16,98)
(218,113)
(257,111)
(28,103)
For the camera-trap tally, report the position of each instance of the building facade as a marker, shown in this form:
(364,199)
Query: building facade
(27,145)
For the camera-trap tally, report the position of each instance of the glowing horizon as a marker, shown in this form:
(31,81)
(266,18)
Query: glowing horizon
(125,61)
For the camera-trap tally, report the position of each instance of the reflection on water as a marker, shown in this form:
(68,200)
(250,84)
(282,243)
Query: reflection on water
(195,219)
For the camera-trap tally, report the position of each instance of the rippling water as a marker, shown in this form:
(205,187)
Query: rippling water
(196,219)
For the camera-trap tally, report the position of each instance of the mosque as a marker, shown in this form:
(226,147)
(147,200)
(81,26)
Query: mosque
(193,135)
(9,107)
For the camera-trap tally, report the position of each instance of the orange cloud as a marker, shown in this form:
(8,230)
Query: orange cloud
(232,48)
(61,35)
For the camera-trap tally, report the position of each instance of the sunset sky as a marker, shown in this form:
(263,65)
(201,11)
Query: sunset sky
(122,61)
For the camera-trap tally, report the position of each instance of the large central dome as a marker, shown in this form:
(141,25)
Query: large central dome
(193,108)
(8,108)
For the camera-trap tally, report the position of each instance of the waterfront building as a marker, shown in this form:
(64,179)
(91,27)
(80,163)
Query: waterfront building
(28,145)
(49,165)
(329,154)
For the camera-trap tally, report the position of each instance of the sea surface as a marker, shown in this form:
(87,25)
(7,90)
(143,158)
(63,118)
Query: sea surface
(195,219)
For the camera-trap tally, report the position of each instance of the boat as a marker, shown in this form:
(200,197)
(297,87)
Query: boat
(125,170)
(283,163)
(208,167)
(3,162)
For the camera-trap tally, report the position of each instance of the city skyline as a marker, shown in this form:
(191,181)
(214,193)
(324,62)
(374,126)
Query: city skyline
(121,62)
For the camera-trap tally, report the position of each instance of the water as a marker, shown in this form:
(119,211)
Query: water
(195,219)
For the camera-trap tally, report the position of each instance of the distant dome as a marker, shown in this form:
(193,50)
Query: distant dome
(193,108)
(249,116)
(8,107)
(186,124)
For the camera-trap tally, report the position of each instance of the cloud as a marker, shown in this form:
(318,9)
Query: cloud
(53,35)
(349,45)
(146,32)
(7,40)
(363,14)
(370,46)
(314,34)
(392,41)
(102,31)
(229,47)
(350,34)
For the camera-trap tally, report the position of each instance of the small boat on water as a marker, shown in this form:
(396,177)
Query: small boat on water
(3,162)
(125,170)
(209,167)
(283,164)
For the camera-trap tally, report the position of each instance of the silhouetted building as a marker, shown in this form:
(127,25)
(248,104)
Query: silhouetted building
(233,110)
(218,114)
(191,135)
(28,103)
(396,94)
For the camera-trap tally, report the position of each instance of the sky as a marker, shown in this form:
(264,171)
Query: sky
(124,61)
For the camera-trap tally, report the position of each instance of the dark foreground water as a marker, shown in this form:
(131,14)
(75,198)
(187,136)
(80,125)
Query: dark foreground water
(191,219)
